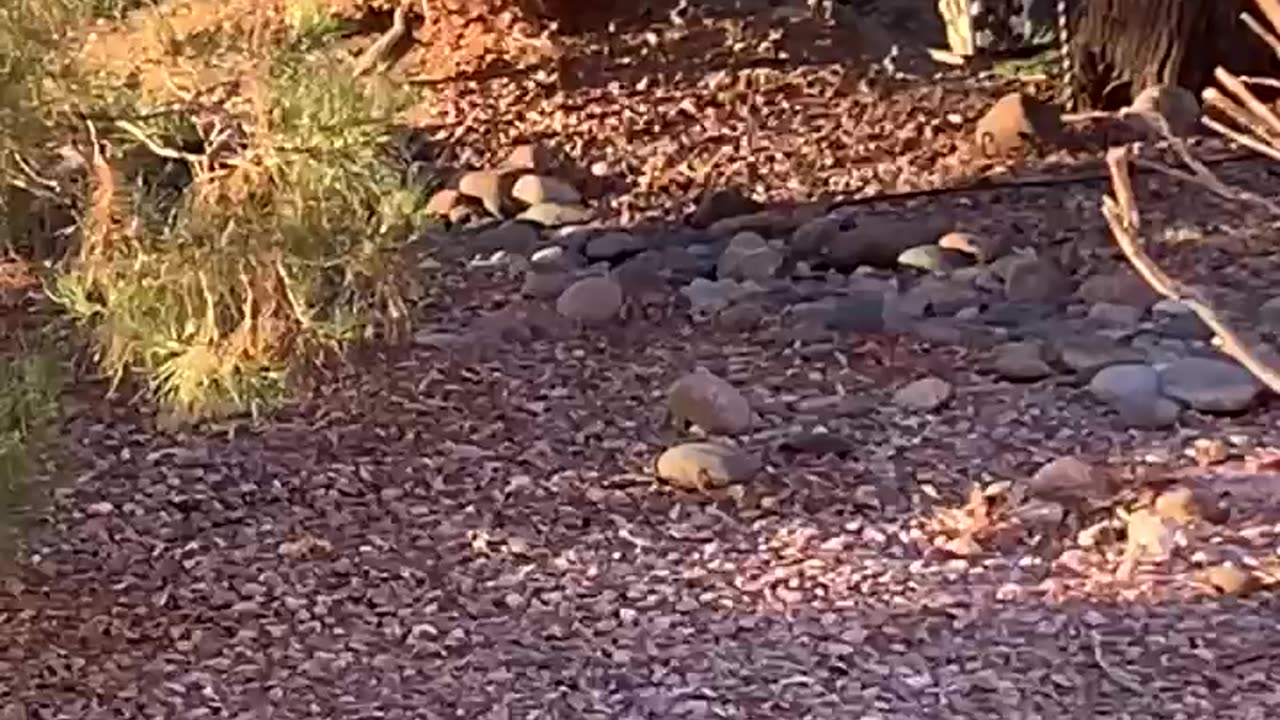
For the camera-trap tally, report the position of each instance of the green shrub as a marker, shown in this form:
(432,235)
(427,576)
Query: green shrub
(281,250)
(43,92)
(278,247)
(29,388)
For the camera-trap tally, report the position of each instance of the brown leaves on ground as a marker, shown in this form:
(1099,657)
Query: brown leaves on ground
(16,276)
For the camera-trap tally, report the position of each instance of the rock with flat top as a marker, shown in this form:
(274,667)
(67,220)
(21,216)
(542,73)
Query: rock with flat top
(552,214)
(443,202)
(924,395)
(530,157)
(721,204)
(490,187)
(748,257)
(1067,480)
(705,466)
(534,189)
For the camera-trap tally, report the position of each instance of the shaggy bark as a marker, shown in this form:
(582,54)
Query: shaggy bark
(1122,46)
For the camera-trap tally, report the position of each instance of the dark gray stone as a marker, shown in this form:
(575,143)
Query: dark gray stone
(861,311)
(1209,384)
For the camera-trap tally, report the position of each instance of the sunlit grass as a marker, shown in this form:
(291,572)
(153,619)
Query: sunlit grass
(29,390)
(277,244)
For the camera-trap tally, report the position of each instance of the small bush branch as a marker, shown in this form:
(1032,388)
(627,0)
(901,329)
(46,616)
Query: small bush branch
(1121,212)
(154,146)
(1271,10)
(1245,96)
(1267,36)
(1240,105)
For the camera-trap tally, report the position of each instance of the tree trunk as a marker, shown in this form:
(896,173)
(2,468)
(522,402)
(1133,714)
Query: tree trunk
(1120,47)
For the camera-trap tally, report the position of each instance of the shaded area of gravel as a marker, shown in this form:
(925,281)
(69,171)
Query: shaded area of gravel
(450,537)
(477,534)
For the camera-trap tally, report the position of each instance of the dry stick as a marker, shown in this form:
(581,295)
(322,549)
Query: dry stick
(1233,110)
(1267,36)
(1245,140)
(1122,216)
(32,174)
(1216,187)
(1202,171)
(156,147)
(1120,677)
(1263,81)
(1271,10)
(1246,97)
(1203,175)
(378,53)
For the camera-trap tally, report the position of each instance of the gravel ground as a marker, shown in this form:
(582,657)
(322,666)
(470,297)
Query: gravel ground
(448,536)
(476,533)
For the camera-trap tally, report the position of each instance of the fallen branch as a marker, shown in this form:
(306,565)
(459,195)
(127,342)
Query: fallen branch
(1121,212)
(1246,98)
(1236,136)
(1210,183)
(1270,10)
(1215,99)
(379,53)
(155,147)
(1266,35)
(1202,174)
(1260,81)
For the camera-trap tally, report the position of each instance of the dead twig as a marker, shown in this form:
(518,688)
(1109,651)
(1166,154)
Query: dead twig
(1266,35)
(1121,212)
(379,53)
(1245,96)
(1270,10)
(1212,184)
(163,151)
(1121,678)
(1203,175)
(32,174)
(1262,81)
(1239,137)
(1214,98)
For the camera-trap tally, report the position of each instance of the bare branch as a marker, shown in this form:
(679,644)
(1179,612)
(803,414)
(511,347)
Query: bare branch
(1271,10)
(1122,217)
(1237,136)
(1212,184)
(1203,175)
(1215,99)
(1267,36)
(1247,98)
(32,174)
(1121,678)
(155,147)
(379,53)
(1263,81)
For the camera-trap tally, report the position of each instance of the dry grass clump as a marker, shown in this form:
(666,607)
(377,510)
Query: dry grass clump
(233,228)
